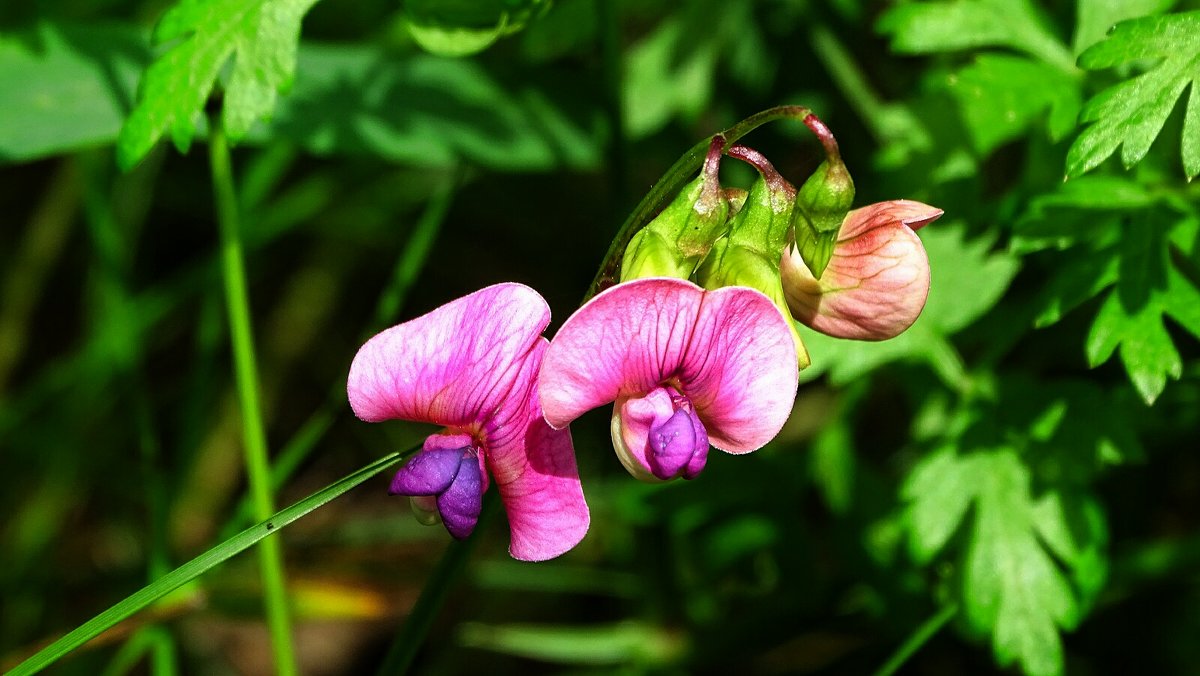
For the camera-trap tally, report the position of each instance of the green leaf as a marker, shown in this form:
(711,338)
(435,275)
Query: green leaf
(610,644)
(1131,114)
(432,111)
(667,74)
(464,27)
(66,87)
(833,465)
(1097,17)
(1002,95)
(260,34)
(198,566)
(967,279)
(1078,279)
(931,27)
(1011,586)
(1148,290)
(938,491)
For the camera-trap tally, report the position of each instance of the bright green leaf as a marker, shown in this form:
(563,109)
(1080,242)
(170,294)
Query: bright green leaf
(1002,95)
(1149,289)
(1011,586)
(938,490)
(1131,114)
(260,34)
(463,27)
(930,27)
(1097,17)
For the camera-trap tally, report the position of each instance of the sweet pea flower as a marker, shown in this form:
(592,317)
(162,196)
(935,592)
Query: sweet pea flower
(877,280)
(471,366)
(685,367)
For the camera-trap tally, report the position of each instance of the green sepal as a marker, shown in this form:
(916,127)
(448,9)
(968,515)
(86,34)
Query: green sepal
(821,205)
(675,242)
(749,255)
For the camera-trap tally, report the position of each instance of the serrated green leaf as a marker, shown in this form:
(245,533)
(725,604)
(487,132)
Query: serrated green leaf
(261,35)
(1072,526)
(928,27)
(938,490)
(1002,95)
(70,91)
(1012,587)
(1131,318)
(1097,17)
(967,279)
(1131,114)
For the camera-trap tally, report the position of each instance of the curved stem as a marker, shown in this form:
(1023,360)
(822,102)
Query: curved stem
(254,436)
(674,179)
(201,564)
(928,629)
(433,594)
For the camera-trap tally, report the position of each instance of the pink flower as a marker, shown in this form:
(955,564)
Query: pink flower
(877,280)
(471,366)
(685,367)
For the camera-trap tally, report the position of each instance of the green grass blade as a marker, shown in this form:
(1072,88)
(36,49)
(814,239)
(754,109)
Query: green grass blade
(199,565)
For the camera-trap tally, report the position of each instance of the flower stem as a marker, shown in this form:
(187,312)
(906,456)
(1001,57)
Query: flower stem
(928,629)
(674,179)
(254,436)
(412,634)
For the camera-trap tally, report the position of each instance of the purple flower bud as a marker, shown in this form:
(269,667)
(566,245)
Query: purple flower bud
(453,476)
(679,445)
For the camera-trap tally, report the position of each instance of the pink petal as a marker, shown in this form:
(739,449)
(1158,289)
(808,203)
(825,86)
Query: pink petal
(877,281)
(740,369)
(622,343)
(452,366)
(730,351)
(534,469)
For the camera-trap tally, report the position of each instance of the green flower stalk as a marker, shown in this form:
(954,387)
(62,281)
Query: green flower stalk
(758,234)
(675,242)
(822,203)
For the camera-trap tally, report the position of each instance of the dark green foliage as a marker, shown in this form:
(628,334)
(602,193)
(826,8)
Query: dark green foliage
(1023,459)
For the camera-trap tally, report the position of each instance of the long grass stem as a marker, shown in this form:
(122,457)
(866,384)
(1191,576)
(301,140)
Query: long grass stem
(254,437)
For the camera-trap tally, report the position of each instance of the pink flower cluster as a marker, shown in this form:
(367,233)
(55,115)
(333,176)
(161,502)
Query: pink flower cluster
(684,368)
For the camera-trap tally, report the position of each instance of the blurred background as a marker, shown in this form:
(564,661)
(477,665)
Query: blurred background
(1011,486)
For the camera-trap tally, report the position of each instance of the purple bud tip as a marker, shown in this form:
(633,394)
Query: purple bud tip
(452,475)
(679,445)
(461,503)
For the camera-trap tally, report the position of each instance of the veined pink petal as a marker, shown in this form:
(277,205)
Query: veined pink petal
(877,280)
(740,369)
(623,342)
(453,366)
(729,351)
(535,471)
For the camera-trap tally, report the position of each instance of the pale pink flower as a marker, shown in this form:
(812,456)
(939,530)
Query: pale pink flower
(877,280)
